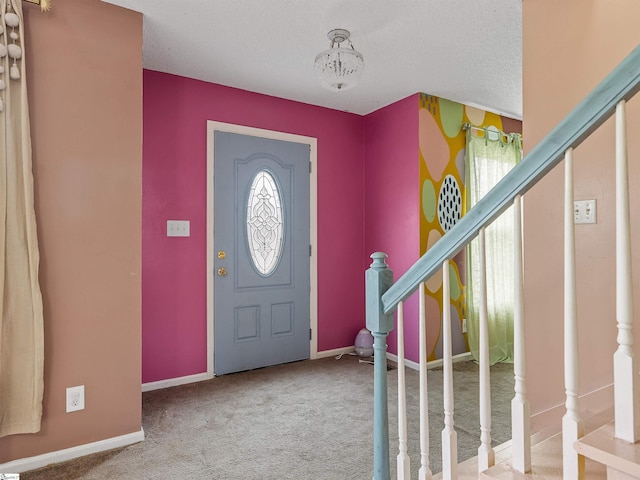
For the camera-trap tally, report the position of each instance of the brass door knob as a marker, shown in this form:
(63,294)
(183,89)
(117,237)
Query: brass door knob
(222,254)
(222,271)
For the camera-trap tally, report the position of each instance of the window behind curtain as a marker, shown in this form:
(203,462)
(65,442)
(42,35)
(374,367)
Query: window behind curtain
(490,156)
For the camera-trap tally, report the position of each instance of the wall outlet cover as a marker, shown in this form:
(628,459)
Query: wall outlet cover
(75,398)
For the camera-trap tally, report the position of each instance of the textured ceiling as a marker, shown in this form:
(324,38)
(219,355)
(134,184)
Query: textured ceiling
(469,51)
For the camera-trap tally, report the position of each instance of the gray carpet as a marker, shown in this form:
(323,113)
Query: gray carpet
(304,420)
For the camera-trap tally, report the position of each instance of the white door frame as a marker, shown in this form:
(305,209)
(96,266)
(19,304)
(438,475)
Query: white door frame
(313,233)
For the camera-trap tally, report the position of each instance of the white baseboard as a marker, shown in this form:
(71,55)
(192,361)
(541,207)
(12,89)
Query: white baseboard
(461,357)
(199,377)
(39,461)
(549,421)
(174,382)
(335,352)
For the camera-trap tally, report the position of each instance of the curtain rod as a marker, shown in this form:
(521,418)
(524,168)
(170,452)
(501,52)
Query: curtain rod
(485,130)
(45,5)
(467,126)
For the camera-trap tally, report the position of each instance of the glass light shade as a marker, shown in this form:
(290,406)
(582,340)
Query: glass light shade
(339,68)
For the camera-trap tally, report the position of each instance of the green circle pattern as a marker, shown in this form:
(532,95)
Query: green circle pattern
(454,283)
(429,200)
(451,114)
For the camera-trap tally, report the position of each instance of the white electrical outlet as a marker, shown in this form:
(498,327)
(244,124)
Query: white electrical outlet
(464,325)
(584,211)
(75,398)
(178,228)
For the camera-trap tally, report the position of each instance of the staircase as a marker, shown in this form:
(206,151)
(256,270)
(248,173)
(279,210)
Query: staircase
(610,447)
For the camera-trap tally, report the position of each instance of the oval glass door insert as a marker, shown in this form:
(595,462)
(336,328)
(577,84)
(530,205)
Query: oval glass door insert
(265,223)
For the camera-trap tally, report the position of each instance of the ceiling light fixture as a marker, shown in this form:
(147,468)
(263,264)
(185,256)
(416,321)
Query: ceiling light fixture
(339,68)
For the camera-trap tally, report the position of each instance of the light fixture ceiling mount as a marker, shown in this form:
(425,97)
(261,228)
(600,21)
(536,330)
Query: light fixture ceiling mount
(340,67)
(338,35)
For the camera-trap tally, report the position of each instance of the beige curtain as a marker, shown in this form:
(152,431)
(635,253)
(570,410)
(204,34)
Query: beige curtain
(21,329)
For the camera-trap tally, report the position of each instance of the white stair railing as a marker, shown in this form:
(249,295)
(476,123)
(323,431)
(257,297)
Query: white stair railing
(572,429)
(449,434)
(520,422)
(425,470)
(486,455)
(625,371)
(403,461)
(383,296)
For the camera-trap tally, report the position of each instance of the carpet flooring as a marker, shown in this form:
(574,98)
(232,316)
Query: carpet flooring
(303,420)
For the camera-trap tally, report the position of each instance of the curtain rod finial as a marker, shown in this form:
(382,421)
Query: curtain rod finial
(45,5)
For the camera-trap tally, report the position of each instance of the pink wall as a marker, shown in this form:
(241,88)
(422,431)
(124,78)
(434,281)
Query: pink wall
(392,197)
(176,110)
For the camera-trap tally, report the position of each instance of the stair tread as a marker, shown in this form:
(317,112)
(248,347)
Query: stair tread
(546,458)
(504,471)
(602,446)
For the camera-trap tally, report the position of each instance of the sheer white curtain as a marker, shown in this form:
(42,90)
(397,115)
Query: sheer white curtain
(21,329)
(490,156)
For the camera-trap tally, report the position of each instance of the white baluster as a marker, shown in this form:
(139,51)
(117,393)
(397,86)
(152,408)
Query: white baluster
(404,469)
(520,416)
(627,404)
(449,435)
(425,471)
(486,455)
(572,428)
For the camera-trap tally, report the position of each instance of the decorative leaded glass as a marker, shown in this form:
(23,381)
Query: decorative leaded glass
(265,223)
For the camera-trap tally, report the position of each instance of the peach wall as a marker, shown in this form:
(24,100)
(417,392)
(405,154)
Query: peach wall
(569,47)
(176,110)
(85,86)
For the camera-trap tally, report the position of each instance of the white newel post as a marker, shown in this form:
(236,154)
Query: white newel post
(449,434)
(486,455)
(572,428)
(520,416)
(404,469)
(425,471)
(625,371)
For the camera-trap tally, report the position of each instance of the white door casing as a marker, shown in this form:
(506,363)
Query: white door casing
(212,127)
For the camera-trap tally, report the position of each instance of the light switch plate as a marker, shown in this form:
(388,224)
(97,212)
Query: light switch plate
(178,228)
(584,211)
